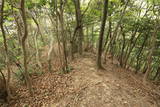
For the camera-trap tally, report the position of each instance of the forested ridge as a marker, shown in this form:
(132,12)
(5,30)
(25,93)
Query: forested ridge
(90,53)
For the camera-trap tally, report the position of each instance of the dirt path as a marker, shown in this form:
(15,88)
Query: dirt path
(94,88)
(86,87)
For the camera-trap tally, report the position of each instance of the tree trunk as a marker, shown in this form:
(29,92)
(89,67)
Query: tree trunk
(25,34)
(140,52)
(79,25)
(157,73)
(130,49)
(38,27)
(36,44)
(65,60)
(108,33)
(17,20)
(101,34)
(37,50)
(123,47)
(57,34)
(49,55)
(6,52)
(92,39)
(112,40)
(87,39)
(150,54)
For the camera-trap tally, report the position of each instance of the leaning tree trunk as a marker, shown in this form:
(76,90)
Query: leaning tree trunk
(36,44)
(6,52)
(114,36)
(131,48)
(101,34)
(150,54)
(139,54)
(157,73)
(25,34)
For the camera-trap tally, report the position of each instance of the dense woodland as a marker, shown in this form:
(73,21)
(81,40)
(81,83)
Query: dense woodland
(47,35)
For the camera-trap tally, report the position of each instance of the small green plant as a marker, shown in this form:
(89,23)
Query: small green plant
(25,106)
(68,69)
(20,74)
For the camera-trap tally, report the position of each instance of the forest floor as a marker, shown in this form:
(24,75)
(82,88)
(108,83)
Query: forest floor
(85,86)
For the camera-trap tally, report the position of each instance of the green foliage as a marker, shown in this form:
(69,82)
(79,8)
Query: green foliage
(36,3)
(19,74)
(156,2)
(26,106)
(70,68)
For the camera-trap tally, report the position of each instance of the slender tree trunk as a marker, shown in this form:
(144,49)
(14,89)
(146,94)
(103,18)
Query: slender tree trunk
(38,27)
(17,20)
(36,44)
(87,38)
(112,40)
(6,52)
(108,33)
(152,48)
(64,42)
(57,34)
(101,34)
(49,55)
(92,39)
(79,25)
(73,42)
(138,56)
(37,50)
(123,47)
(157,73)
(130,50)
(27,77)
(51,48)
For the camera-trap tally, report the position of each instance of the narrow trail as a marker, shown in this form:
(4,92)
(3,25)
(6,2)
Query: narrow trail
(104,88)
(86,86)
